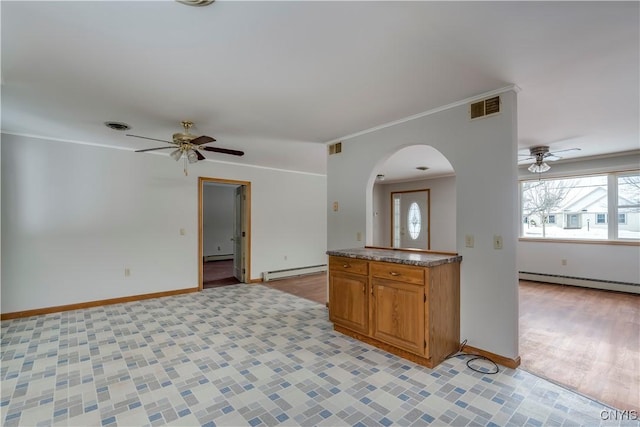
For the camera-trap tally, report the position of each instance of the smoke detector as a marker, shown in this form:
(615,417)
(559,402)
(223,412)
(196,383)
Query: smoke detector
(197,3)
(117,126)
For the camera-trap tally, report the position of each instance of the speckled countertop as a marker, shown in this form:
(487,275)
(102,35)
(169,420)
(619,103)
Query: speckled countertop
(399,257)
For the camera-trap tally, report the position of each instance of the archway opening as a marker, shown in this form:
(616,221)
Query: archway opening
(413,200)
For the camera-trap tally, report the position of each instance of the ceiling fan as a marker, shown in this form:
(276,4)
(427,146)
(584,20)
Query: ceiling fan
(187,146)
(541,153)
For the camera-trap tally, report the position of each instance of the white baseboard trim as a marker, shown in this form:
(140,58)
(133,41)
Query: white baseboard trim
(281,274)
(608,285)
(208,258)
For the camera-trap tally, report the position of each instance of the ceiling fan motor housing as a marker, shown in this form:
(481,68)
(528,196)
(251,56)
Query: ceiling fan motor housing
(539,152)
(180,137)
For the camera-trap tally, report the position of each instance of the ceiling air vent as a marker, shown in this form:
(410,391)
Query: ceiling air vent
(484,108)
(335,148)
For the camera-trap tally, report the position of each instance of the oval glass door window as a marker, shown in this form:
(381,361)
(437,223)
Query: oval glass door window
(414,220)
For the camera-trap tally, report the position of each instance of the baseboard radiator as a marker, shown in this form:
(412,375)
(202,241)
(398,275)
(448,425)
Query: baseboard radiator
(208,258)
(290,272)
(608,285)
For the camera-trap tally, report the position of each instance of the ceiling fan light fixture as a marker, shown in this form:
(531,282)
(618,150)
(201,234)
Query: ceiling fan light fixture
(192,156)
(539,167)
(175,155)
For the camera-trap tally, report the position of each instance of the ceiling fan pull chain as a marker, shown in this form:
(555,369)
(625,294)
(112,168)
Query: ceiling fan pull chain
(185,166)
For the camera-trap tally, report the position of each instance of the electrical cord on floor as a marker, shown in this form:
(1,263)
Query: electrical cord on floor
(474,357)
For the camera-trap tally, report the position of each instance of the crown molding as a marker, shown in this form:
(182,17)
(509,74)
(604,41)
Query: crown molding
(513,88)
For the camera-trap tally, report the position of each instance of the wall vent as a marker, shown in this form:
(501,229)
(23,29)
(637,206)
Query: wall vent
(335,148)
(484,108)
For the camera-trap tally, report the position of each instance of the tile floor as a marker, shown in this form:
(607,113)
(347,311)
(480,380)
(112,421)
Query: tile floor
(248,355)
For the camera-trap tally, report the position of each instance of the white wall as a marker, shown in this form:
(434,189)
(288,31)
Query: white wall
(218,218)
(616,263)
(601,261)
(483,155)
(74,216)
(442,206)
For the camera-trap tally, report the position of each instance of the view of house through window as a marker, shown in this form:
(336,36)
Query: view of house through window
(582,207)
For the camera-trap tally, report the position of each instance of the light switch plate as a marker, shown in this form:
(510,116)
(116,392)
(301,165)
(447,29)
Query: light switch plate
(468,240)
(497,242)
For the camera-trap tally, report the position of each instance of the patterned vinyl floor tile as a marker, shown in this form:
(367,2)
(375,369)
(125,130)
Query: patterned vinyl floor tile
(248,355)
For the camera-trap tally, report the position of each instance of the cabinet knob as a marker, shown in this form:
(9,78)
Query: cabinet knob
(393,273)
(346,266)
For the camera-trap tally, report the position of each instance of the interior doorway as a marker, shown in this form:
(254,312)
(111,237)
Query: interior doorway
(224,218)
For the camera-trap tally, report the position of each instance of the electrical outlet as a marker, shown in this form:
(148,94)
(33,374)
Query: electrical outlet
(359,236)
(182,232)
(468,240)
(127,272)
(335,206)
(497,242)
(563,262)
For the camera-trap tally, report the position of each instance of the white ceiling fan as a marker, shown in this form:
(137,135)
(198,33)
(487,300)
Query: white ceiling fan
(540,154)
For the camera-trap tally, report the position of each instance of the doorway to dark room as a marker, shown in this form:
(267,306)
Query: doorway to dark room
(223,232)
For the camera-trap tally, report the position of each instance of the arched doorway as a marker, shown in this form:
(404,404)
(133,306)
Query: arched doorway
(417,174)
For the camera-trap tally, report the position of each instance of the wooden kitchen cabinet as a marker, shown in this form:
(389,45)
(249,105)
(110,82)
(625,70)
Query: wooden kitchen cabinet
(395,312)
(348,287)
(412,311)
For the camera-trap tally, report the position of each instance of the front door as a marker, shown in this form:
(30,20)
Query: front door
(410,219)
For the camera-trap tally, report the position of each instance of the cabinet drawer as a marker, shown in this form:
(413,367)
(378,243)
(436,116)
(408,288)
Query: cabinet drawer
(349,265)
(398,272)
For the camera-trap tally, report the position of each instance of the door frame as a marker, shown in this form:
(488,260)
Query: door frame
(247,224)
(428,190)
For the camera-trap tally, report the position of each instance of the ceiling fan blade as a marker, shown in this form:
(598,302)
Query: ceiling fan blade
(199,154)
(526,160)
(552,157)
(564,151)
(223,151)
(202,140)
(153,149)
(151,139)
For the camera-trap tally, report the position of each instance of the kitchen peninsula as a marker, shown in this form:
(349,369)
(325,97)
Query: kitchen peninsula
(406,302)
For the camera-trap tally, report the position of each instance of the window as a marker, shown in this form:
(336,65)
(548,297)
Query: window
(414,220)
(628,207)
(579,207)
(396,222)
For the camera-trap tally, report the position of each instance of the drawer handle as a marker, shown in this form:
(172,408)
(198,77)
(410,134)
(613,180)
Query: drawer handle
(393,273)
(346,266)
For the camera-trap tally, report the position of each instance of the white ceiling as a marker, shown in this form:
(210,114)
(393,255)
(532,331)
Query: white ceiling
(280,79)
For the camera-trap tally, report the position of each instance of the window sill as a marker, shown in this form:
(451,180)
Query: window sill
(583,241)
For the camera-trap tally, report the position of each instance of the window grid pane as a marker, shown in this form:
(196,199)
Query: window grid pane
(570,208)
(628,206)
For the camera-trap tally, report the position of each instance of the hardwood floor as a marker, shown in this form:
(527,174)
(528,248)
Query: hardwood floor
(218,273)
(584,339)
(311,286)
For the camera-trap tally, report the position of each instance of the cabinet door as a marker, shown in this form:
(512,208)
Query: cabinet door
(398,314)
(348,302)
